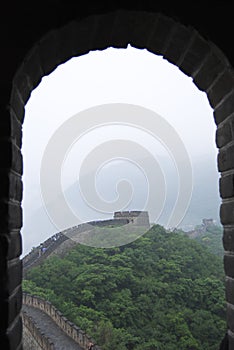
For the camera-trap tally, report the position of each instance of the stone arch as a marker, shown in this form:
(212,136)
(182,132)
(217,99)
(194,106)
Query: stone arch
(182,46)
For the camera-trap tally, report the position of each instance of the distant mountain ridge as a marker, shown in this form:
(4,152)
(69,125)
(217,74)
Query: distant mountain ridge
(205,202)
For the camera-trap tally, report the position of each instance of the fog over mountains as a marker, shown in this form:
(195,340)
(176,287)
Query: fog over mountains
(76,87)
(205,200)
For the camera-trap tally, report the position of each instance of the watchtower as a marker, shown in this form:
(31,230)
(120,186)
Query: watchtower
(137,217)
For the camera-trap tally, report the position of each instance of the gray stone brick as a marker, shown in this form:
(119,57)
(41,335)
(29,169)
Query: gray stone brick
(231,341)
(14,274)
(229,265)
(11,157)
(225,109)
(17,104)
(194,56)
(230,317)
(227,213)
(221,88)
(209,71)
(223,134)
(103,32)
(227,185)
(15,245)
(160,37)
(48,52)
(121,30)
(22,84)
(228,239)
(226,158)
(142,29)
(11,214)
(15,334)
(230,290)
(179,40)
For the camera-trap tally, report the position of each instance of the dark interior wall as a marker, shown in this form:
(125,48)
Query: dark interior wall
(24,23)
(22,26)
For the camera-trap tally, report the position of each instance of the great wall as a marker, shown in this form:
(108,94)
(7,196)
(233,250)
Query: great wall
(45,327)
(55,332)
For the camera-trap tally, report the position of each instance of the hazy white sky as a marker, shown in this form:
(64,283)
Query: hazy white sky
(112,76)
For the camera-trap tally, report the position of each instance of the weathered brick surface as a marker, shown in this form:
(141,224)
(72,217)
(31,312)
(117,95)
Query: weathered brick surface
(22,85)
(230,290)
(11,185)
(10,307)
(226,185)
(230,317)
(231,340)
(143,28)
(31,67)
(4,243)
(121,30)
(223,134)
(17,104)
(227,213)
(195,55)
(228,239)
(229,265)
(9,125)
(222,86)
(15,244)
(48,52)
(67,41)
(12,339)
(15,334)
(225,109)
(15,187)
(11,214)
(15,303)
(212,67)
(163,30)
(16,130)
(31,304)
(76,38)
(84,35)
(179,41)
(29,339)
(10,156)
(102,37)
(20,346)
(226,158)
(14,274)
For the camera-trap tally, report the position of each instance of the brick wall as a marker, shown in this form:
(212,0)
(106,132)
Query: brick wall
(68,327)
(63,242)
(192,39)
(33,338)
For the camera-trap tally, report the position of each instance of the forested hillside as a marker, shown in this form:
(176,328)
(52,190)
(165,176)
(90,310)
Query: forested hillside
(212,239)
(163,291)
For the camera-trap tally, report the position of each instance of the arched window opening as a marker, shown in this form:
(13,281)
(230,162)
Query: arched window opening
(140,78)
(125,78)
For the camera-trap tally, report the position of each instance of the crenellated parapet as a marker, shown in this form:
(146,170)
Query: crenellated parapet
(68,327)
(60,243)
(136,217)
(33,337)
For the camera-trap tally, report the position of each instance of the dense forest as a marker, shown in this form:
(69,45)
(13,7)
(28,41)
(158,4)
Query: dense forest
(211,238)
(163,291)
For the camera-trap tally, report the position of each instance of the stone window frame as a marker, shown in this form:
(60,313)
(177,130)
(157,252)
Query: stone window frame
(182,46)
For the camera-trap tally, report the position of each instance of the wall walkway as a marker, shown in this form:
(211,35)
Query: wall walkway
(49,324)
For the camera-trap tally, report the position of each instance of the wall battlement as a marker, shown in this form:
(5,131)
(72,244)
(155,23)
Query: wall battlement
(33,338)
(69,328)
(60,243)
(137,217)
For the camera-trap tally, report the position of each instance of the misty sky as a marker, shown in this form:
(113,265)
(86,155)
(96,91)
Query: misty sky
(112,76)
